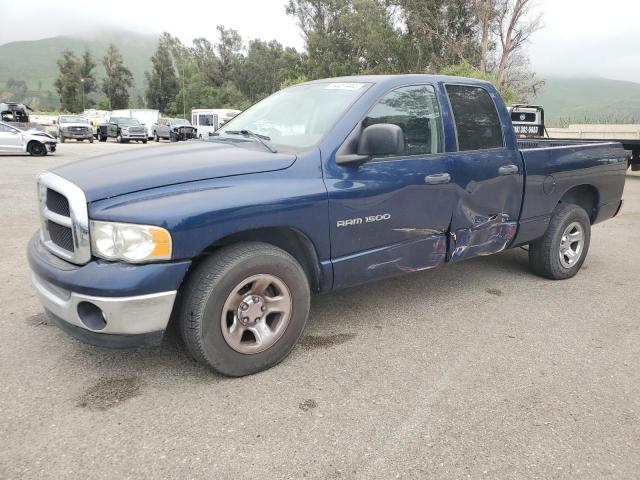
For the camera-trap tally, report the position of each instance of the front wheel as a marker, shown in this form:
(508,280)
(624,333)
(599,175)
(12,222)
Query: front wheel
(244,308)
(562,250)
(156,138)
(37,149)
(119,138)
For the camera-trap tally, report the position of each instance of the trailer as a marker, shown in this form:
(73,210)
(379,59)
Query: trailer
(208,120)
(528,122)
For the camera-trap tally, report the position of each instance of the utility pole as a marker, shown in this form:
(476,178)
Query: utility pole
(82,83)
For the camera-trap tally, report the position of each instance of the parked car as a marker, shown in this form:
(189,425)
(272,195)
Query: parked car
(123,129)
(321,186)
(73,127)
(146,116)
(208,120)
(33,142)
(174,129)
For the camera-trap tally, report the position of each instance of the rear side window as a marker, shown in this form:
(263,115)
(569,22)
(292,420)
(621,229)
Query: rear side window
(476,118)
(415,110)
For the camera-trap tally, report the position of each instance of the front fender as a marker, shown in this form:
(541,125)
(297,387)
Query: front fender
(200,213)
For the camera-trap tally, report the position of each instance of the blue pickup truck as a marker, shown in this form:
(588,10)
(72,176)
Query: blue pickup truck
(321,186)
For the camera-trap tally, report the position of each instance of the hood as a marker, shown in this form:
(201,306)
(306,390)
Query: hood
(39,133)
(73,124)
(134,170)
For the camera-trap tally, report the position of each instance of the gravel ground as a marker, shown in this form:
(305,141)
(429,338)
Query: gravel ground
(480,370)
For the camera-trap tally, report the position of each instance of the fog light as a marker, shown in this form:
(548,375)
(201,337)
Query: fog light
(91,315)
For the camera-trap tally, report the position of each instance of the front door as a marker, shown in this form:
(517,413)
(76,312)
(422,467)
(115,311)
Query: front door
(391,214)
(10,139)
(489,177)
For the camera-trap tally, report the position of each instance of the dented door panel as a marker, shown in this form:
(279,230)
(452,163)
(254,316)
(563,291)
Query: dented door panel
(488,203)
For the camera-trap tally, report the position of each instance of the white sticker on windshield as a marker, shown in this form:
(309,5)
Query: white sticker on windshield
(344,86)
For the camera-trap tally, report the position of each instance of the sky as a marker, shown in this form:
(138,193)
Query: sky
(579,37)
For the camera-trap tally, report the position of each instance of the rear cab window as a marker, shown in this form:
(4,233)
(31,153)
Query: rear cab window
(477,123)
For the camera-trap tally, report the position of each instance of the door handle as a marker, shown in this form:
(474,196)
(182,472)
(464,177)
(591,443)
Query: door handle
(508,170)
(437,178)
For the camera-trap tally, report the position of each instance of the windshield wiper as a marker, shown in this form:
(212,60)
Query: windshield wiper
(260,138)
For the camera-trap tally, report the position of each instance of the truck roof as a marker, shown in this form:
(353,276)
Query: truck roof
(403,78)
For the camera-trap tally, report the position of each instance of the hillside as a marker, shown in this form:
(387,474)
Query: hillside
(589,100)
(35,61)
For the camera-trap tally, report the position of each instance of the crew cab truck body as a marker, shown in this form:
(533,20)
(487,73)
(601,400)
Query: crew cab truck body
(173,129)
(123,129)
(321,186)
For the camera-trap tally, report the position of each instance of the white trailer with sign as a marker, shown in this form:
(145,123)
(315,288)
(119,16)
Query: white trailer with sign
(208,120)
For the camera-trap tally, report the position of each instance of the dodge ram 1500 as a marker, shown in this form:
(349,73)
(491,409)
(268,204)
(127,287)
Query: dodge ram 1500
(324,185)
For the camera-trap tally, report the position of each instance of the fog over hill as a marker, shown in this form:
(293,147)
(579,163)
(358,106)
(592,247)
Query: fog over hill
(34,61)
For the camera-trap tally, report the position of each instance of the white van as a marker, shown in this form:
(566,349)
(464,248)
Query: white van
(208,120)
(146,116)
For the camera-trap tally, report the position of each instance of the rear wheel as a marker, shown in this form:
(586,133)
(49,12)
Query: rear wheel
(244,308)
(562,250)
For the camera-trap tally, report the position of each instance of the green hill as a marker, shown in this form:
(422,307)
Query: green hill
(589,100)
(35,61)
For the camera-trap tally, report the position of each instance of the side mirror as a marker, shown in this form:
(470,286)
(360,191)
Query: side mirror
(375,141)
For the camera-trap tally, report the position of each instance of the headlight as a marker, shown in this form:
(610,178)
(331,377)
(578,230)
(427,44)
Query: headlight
(129,242)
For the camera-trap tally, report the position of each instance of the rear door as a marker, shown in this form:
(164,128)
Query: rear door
(391,214)
(489,175)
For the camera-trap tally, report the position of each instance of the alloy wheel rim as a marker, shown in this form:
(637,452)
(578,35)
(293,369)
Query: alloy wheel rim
(571,244)
(256,313)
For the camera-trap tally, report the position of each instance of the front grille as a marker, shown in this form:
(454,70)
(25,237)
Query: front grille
(60,235)
(64,219)
(57,203)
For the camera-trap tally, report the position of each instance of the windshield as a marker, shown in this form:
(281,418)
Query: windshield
(297,117)
(125,121)
(179,121)
(72,119)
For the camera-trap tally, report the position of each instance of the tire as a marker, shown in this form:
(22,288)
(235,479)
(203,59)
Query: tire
(36,149)
(102,138)
(61,138)
(145,141)
(209,292)
(156,138)
(569,231)
(90,139)
(172,137)
(119,138)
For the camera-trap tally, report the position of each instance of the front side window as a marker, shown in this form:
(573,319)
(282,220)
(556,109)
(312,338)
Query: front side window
(476,118)
(6,128)
(415,110)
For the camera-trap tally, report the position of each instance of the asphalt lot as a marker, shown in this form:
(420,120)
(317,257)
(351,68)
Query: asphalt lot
(480,370)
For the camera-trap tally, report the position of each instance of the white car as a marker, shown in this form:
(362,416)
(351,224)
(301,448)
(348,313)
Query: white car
(33,142)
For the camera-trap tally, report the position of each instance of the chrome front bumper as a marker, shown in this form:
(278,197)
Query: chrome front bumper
(121,316)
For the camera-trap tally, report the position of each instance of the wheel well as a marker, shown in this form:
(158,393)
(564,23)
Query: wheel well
(292,241)
(585,196)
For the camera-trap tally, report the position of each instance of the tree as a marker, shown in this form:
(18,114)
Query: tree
(118,79)
(265,68)
(162,83)
(68,82)
(229,53)
(87,64)
(516,22)
(346,37)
